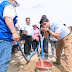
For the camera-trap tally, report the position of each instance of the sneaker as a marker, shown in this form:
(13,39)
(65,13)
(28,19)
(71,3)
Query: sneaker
(53,58)
(28,53)
(63,57)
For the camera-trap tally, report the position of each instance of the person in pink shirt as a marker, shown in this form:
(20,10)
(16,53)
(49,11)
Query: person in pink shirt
(36,33)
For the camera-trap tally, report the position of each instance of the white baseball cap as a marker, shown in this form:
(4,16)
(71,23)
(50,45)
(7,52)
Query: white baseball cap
(18,3)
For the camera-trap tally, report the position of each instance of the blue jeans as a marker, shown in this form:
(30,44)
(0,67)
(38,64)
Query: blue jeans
(46,46)
(5,54)
(53,46)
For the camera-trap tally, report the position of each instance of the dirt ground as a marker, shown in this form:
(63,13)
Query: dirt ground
(17,63)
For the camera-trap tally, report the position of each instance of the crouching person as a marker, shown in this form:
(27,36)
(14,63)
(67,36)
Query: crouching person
(63,35)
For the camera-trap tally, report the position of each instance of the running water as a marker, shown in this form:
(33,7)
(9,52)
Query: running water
(42,63)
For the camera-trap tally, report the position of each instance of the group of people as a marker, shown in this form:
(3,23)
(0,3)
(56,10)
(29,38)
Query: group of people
(59,36)
(8,33)
(31,36)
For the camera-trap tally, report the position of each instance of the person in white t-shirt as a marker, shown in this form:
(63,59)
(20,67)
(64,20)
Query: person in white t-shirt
(28,38)
(7,31)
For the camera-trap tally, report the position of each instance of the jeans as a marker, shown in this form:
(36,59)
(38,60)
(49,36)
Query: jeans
(5,54)
(46,46)
(65,44)
(53,46)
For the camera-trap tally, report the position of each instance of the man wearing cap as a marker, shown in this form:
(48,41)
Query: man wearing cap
(7,31)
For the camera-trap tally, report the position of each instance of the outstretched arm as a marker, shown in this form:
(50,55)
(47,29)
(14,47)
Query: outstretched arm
(45,30)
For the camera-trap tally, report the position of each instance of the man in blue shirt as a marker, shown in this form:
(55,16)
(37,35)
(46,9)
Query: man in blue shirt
(7,31)
(63,35)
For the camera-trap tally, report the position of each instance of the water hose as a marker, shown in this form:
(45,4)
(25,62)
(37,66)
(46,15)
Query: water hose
(22,51)
(41,47)
(33,52)
(37,49)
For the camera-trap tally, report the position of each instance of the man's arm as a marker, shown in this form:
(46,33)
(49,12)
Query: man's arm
(10,24)
(56,35)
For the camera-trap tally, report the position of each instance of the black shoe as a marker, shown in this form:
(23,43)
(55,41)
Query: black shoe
(13,53)
(31,50)
(56,63)
(26,55)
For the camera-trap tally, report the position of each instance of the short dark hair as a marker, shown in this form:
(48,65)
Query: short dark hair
(27,18)
(64,24)
(44,19)
(43,16)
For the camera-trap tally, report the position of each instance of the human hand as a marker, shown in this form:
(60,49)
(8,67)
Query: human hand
(44,29)
(15,37)
(32,37)
(24,32)
(43,37)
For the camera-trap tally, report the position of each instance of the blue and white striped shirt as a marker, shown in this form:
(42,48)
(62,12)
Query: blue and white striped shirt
(59,28)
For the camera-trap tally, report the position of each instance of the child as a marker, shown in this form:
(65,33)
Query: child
(36,37)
